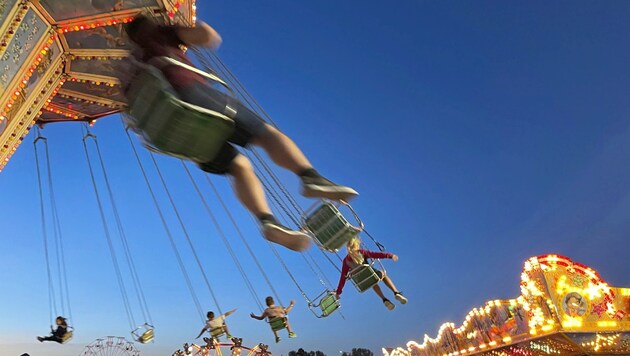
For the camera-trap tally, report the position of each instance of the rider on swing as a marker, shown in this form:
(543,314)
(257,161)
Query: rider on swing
(159,41)
(276,311)
(357,256)
(57,334)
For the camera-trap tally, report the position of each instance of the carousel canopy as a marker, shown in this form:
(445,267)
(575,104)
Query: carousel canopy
(61,60)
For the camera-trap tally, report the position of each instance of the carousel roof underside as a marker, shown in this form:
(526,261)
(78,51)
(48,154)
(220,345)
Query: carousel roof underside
(62,60)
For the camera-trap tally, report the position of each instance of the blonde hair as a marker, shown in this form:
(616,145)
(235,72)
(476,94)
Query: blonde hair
(353,250)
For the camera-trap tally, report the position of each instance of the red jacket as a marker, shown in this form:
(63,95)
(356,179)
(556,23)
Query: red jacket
(348,264)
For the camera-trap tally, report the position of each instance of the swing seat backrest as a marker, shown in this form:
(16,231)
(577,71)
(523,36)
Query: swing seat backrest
(329,304)
(170,125)
(364,277)
(278,323)
(329,227)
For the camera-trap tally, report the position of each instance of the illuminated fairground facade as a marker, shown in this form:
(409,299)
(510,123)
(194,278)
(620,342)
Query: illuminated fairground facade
(60,60)
(565,308)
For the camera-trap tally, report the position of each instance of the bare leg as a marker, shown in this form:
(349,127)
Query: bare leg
(227,332)
(390,284)
(251,194)
(282,150)
(289,327)
(378,291)
(285,153)
(248,188)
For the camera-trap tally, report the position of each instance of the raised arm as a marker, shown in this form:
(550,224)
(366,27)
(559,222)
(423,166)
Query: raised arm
(261,317)
(202,35)
(342,278)
(230,312)
(291,305)
(377,254)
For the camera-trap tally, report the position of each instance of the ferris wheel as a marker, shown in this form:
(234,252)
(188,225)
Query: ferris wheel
(110,346)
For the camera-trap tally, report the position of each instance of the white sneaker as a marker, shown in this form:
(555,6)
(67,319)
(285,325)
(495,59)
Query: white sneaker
(291,239)
(389,304)
(401,298)
(320,187)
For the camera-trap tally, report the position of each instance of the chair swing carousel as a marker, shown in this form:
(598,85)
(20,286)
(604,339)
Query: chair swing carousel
(71,74)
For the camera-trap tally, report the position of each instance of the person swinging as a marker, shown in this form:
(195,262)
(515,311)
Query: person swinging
(57,335)
(277,317)
(216,325)
(357,257)
(156,41)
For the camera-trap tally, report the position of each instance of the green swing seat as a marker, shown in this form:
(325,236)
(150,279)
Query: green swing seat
(329,304)
(217,332)
(278,323)
(329,227)
(324,304)
(170,125)
(364,277)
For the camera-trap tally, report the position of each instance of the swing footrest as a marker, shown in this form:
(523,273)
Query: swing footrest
(329,227)
(364,277)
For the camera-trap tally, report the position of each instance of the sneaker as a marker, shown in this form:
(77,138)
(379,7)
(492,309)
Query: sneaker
(277,339)
(389,304)
(320,187)
(401,298)
(40,339)
(291,239)
(292,335)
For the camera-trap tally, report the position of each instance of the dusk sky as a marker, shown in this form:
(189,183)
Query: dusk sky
(478,133)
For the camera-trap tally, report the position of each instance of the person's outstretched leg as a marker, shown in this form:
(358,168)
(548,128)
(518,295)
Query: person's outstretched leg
(291,333)
(227,332)
(386,301)
(250,192)
(48,338)
(390,284)
(285,153)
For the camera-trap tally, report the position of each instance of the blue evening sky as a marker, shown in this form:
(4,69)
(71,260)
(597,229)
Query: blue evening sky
(478,133)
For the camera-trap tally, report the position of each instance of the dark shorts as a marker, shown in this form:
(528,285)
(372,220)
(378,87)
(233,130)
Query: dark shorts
(379,273)
(248,123)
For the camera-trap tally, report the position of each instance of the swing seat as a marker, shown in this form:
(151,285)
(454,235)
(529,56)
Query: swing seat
(278,323)
(67,336)
(171,126)
(364,277)
(329,304)
(324,304)
(147,335)
(329,227)
(217,332)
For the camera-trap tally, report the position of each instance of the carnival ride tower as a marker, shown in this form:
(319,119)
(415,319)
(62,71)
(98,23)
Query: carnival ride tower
(61,60)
